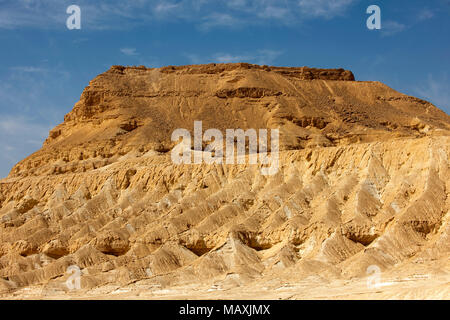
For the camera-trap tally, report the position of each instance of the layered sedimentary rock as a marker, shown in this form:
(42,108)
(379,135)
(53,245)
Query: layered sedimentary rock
(363,181)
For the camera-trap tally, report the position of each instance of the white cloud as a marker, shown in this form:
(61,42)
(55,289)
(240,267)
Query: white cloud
(228,58)
(19,125)
(205,14)
(20,137)
(437,91)
(274,12)
(129,51)
(193,58)
(164,7)
(265,9)
(219,20)
(390,28)
(28,109)
(29,69)
(267,56)
(324,8)
(263,56)
(425,14)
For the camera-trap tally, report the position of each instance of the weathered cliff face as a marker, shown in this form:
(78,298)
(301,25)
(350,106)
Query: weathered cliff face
(364,180)
(128,111)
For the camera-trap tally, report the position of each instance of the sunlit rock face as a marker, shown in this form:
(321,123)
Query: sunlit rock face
(363,181)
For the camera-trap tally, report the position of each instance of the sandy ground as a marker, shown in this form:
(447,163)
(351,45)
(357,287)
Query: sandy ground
(414,287)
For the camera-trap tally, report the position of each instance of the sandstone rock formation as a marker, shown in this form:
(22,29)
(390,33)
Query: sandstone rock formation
(364,181)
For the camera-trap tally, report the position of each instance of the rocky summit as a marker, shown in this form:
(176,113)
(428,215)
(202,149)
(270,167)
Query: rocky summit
(359,207)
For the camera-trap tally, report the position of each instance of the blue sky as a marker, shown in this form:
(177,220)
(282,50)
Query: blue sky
(45,66)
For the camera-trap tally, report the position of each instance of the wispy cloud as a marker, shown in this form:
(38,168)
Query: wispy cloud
(206,14)
(425,14)
(390,28)
(29,69)
(37,14)
(133,56)
(219,20)
(436,90)
(274,12)
(263,56)
(165,7)
(29,108)
(20,125)
(20,136)
(324,8)
(228,58)
(129,51)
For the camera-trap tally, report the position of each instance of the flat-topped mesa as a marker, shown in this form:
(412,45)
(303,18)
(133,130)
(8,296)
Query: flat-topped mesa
(133,110)
(110,84)
(302,73)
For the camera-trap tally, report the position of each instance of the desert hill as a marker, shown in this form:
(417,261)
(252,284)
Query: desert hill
(363,183)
